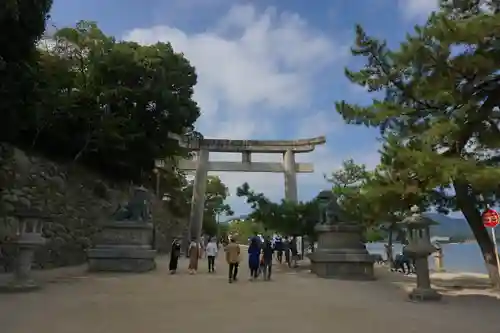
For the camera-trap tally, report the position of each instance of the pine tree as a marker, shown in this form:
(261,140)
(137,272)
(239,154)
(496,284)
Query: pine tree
(440,113)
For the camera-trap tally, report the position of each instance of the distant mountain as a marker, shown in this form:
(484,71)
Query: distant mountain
(446,227)
(449,226)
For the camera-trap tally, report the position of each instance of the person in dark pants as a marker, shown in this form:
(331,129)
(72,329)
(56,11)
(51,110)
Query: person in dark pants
(175,253)
(267,260)
(286,249)
(233,259)
(278,246)
(254,258)
(293,252)
(211,249)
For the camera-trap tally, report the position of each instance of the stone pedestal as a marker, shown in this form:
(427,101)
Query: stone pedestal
(29,238)
(341,253)
(123,246)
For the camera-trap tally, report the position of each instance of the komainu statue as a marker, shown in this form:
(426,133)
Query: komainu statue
(137,209)
(330,211)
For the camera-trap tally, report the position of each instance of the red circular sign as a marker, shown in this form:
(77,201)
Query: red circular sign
(490,218)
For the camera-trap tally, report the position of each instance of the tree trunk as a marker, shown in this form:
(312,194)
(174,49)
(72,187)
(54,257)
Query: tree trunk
(466,203)
(388,250)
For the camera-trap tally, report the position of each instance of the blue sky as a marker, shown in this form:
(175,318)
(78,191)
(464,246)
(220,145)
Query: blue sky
(267,69)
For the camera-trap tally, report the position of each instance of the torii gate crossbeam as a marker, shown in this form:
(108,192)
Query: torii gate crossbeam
(202,165)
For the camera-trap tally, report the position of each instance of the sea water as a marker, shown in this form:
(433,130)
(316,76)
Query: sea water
(461,257)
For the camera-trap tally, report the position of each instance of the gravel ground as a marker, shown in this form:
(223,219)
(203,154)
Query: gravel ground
(295,301)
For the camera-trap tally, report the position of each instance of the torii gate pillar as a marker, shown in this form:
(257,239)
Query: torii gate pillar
(290,176)
(202,165)
(198,200)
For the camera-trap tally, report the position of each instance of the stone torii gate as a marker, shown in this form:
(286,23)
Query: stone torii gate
(201,165)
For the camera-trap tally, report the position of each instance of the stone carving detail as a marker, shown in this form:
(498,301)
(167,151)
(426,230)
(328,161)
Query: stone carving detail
(137,209)
(330,211)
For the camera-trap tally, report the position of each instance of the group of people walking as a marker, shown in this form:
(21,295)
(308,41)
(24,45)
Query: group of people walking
(287,246)
(260,256)
(195,251)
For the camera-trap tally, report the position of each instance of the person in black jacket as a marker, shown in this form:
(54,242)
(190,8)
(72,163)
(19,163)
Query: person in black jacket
(267,259)
(278,247)
(175,253)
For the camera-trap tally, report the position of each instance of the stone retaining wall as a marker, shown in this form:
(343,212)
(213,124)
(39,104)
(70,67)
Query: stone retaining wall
(78,200)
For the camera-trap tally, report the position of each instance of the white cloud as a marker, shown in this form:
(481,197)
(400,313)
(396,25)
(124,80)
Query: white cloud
(270,62)
(253,66)
(417,9)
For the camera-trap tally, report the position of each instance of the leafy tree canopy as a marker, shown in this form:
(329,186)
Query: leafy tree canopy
(108,104)
(82,96)
(215,195)
(439,115)
(244,229)
(347,185)
(22,23)
(286,217)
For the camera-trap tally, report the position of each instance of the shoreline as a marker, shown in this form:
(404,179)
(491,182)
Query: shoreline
(456,283)
(457,258)
(454,275)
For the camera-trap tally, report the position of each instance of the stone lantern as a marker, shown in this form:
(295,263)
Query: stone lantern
(341,252)
(28,238)
(418,249)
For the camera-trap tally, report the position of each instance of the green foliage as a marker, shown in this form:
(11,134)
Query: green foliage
(83,96)
(373,198)
(174,187)
(287,218)
(373,235)
(440,114)
(245,229)
(108,104)
(347,185)
(215,195)
(223,230)
(22,23)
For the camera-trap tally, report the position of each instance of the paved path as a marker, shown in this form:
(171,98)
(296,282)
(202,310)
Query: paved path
(295,302)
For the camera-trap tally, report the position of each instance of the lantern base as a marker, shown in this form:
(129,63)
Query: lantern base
(16,286)
(424,294)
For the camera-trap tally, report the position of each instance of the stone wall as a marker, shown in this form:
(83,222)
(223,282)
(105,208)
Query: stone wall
(77,200)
